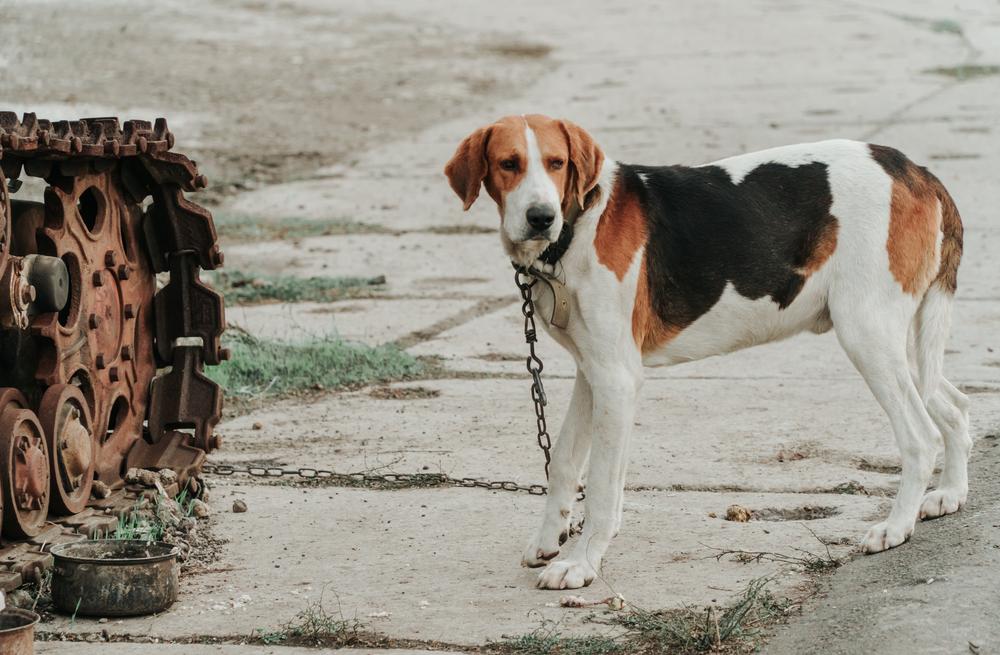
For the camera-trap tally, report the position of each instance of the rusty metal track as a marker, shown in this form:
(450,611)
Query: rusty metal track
(105,326)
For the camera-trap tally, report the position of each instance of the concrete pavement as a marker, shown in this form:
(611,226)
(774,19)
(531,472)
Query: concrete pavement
(781,427)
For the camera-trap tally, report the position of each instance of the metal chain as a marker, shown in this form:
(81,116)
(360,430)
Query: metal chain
(363,479)
(534,363)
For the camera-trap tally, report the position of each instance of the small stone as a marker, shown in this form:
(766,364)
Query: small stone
(257,425)
(100,489)
(144,477)
(168,477)
(199,509)
(738,513)
(20,598)
(239,506)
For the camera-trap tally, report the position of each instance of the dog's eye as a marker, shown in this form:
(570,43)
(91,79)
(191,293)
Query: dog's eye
(508,164)
(556,164)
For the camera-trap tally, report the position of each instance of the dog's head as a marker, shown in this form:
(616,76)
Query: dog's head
(535,168)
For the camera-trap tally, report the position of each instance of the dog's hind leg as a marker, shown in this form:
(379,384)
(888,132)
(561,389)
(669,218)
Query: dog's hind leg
(568,457)
(947,406)
(874,335)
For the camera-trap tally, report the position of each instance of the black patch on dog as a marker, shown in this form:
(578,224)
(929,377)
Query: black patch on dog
(705,231)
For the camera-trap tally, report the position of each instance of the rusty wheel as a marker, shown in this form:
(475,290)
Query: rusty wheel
(69,435)
(25,469)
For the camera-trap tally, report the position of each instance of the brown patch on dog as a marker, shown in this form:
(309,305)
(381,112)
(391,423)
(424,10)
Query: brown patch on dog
(921,206)
(822,247)
(648,330)
(913,228)
(621,231)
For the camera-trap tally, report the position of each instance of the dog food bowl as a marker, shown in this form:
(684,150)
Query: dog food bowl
(112,577)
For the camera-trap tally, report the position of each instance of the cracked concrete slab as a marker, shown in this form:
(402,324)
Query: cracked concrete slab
(425,557)
(791,435)
(372,321)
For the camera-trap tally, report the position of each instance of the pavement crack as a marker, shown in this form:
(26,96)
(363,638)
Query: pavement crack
(481,308)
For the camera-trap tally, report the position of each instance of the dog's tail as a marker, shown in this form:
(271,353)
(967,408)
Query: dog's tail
(932,322)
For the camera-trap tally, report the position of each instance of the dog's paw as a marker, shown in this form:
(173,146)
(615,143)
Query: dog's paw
(539,552)
(883,536)
(940,502)
(567,574)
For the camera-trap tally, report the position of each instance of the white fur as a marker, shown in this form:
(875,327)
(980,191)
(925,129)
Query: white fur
(535,188)
(854,292)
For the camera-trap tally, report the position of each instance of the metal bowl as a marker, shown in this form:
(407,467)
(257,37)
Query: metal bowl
(114,577)
(17,631)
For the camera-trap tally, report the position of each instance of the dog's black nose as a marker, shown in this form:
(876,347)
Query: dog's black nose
(540,217)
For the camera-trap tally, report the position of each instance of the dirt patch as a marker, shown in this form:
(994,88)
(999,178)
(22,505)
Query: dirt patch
(877,466)
(965,71)
(806,513)
(521,50)
(500,357)
(261,93)
(403,393)
(977,388)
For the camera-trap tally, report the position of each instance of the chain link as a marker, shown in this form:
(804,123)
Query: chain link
(534,363)
(373,479)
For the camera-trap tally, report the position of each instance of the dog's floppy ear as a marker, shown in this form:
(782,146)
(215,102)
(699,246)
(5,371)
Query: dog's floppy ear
(586,159)
(468,166)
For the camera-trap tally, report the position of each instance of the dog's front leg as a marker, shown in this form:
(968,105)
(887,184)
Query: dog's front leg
(568,456)
(615,389)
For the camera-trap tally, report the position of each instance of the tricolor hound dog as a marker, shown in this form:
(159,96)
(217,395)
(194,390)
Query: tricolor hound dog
(669,264)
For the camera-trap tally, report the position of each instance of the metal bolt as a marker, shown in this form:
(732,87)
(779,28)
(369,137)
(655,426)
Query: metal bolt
(98,279)
(126,353)
(109,259)
(113,374)
(129,311)
(142,144)
(99,360)
(94,321)
(225,354)
(217,256)
(200,182)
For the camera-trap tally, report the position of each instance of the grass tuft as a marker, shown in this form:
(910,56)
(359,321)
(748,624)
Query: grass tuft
(260,366)
(234,227)
(966,71)
(241,288)
(737,628)
(315,626)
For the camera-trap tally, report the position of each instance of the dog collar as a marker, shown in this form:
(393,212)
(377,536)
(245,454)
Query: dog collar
(560,296)
(558,248)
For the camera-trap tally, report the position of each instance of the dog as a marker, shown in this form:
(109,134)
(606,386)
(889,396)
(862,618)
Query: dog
(670,264)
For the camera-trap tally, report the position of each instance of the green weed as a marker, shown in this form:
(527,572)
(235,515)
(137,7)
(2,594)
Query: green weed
(241,288)
(965,71)
(235,227)
(259,366)
(315,626)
